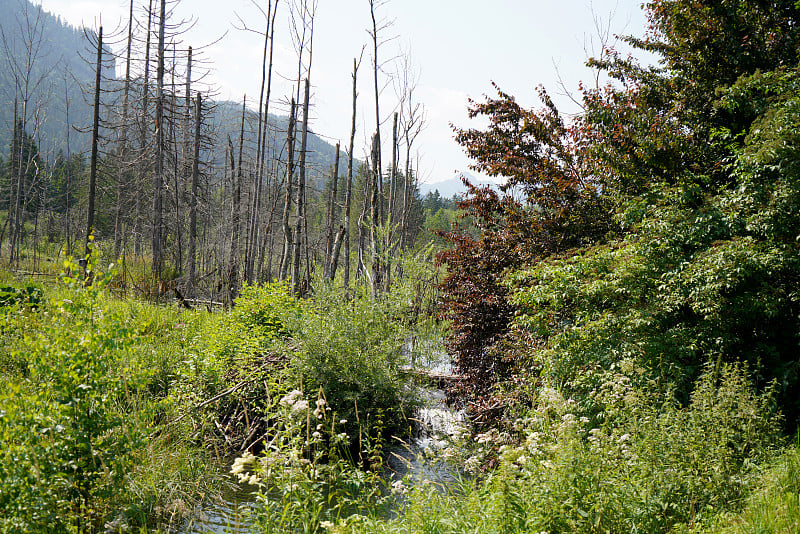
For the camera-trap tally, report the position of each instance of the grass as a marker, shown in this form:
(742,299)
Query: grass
(124,361)
(773,508)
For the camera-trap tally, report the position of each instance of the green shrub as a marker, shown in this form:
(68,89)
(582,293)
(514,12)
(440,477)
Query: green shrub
(658,468)
(255,325)
(66,447)
(773,508)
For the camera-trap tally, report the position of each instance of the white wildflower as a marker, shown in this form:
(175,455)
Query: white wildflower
(399,488)
(300,406)
(291,398)
(472,464)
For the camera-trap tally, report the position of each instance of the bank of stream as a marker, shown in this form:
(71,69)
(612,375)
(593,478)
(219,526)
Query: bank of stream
(407,463)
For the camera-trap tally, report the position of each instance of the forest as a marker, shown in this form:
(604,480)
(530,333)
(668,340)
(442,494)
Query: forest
(192,305)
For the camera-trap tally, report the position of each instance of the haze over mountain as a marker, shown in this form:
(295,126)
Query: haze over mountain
(454,186)
(61,73)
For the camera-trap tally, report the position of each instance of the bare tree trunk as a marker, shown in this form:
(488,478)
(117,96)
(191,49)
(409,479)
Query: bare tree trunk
(376,145)
(287,206)
(337,247)
(301,192)
(393,176)
(252,231)
(233,265)
(361,267)
(348,194)
(331,215)
(67,171)
(95,135)
(183,174)
(17,152)
(138,233)
(407,189)
(264,137)
(177,186)
(375,241)
(389,230)
(192,253)
(158,175)
(123,154)
(26,80)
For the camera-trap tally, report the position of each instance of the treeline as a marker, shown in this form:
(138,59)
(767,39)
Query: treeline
(201,199)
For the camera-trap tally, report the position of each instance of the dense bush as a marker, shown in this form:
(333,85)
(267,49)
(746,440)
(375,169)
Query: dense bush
(66,447)
(85,397)
(658,467)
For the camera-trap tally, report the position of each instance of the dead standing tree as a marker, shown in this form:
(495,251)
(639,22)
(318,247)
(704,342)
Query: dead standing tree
(412,122)
(160,149)
(22,47)
(255,224)
(95,141)
(349,191)
(379,279)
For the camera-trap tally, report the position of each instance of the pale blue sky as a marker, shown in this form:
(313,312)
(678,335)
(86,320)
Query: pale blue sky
(458,47)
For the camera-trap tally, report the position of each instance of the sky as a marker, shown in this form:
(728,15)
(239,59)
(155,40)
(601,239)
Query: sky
(457,48)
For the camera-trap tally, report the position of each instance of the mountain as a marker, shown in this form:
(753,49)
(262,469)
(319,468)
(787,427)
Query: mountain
(453,186)
(40,51)
(60,74)
(227,119)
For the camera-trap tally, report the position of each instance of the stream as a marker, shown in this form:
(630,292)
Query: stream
(405,461)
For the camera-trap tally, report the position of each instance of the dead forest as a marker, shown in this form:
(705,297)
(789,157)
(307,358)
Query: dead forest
(196,195)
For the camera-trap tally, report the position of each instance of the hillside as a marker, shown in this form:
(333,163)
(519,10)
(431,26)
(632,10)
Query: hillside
(59,69)
(39,48)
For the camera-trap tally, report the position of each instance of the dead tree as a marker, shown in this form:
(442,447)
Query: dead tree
(22,48)
(191,281)
(123,143)
(297,283)
(158,173)
(329,234)
(348,193)
(95,140)
(286,255)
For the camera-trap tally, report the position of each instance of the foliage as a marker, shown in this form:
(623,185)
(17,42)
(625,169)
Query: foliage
(698,277)
(257,321)
(305,476)
(547,206)
(66,448)
(773,507)
(352,350)
(664,323)
(323,411)
(28,296)
(658,468)
(86,382)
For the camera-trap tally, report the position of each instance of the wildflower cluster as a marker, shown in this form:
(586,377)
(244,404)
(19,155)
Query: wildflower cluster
(241,467)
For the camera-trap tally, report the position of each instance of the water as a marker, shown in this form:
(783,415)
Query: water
(413,462)
(416,460)
(226,516)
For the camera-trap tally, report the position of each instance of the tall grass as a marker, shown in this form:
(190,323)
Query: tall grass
(85,409)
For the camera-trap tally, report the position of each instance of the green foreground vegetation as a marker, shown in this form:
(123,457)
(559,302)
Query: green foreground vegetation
(110,423)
